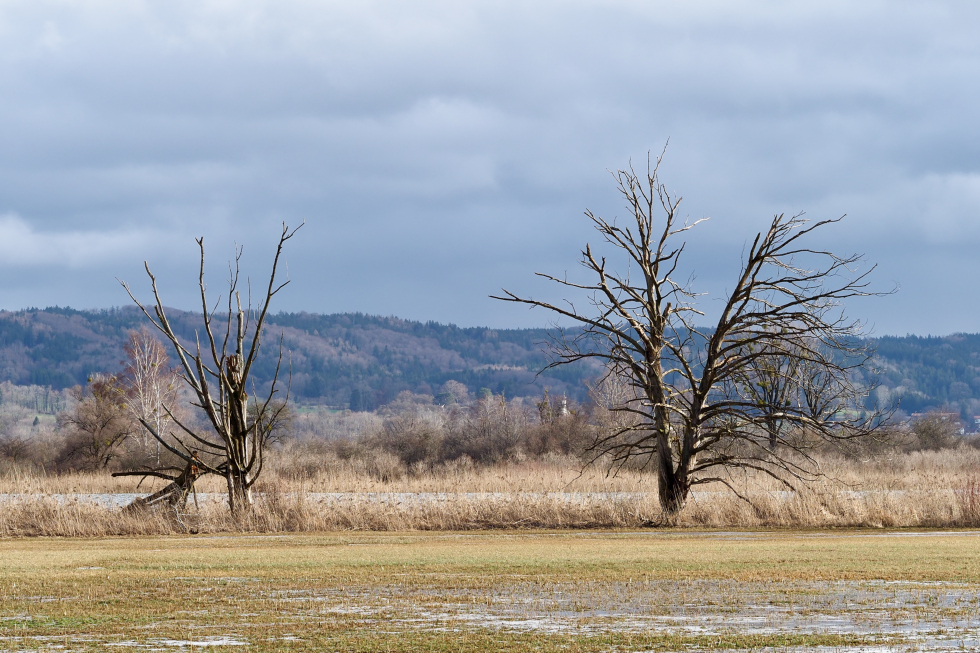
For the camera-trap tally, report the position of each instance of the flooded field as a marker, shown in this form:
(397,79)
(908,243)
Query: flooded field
(899,615)
(712,591)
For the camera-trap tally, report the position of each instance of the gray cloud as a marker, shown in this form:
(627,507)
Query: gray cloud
(440,150)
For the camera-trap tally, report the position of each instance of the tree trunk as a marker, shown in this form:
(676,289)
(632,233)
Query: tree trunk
(673,483)
(239,495)
(237,450)
(772,426)
(175,493)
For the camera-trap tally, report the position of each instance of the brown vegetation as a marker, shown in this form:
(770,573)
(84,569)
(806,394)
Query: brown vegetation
(472,463)
(916,489)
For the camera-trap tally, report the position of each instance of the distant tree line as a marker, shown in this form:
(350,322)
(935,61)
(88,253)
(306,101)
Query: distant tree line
(336,360)
(96,425)
(62,347)
(923,373)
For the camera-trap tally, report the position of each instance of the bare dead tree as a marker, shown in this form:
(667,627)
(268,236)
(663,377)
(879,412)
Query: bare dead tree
(706,402)
(218,377)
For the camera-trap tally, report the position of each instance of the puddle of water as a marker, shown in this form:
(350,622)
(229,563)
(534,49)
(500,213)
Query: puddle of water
(223,640)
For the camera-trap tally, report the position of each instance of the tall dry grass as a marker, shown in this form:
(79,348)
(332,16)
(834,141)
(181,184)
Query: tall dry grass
(921,489)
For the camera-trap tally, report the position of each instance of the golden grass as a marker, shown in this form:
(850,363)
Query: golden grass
(480,591)
(938,489)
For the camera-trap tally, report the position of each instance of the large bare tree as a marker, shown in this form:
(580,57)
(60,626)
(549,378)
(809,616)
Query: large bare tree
(217,372)
(779,360)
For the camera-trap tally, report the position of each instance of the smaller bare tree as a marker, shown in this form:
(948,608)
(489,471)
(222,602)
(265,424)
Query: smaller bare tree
(98,426)
(218,375)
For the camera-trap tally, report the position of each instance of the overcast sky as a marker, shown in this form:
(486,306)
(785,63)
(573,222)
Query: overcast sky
(439,151)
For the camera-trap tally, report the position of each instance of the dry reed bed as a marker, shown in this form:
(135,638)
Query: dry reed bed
(939,489)
(556,474)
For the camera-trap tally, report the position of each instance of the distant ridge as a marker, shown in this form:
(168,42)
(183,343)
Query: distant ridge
(363,361)
(334,358)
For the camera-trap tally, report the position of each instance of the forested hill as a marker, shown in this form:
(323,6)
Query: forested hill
(348,359)
(363,361)
(931,372)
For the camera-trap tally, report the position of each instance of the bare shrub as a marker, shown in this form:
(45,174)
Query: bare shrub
(16,447)
(414,432)
(489,431)
(386,467)
(934,431)
(97,427)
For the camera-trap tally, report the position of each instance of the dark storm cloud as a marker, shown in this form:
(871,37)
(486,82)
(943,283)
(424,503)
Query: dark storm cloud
(439,151)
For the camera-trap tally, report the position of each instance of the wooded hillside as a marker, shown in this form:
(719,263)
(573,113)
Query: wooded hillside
(349,360)
(362,361)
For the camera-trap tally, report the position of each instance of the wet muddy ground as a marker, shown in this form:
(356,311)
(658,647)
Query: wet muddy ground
(539,592)
(931,616)
(901,616)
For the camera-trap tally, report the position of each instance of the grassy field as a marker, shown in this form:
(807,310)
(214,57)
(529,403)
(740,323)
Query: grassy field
(502,591)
